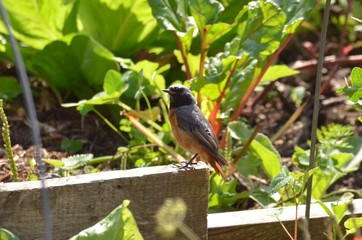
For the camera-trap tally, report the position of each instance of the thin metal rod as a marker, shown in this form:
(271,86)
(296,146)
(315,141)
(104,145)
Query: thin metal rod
(30,107)
(316,108)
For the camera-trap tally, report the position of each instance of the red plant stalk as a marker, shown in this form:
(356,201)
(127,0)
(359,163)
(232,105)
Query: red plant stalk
(212,119)
(251,89)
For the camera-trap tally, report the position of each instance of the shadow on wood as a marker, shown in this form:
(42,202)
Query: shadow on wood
(81,201)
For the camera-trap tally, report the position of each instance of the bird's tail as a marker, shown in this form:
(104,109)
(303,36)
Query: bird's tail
(216,162)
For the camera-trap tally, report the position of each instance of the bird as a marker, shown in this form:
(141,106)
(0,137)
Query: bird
(191,129)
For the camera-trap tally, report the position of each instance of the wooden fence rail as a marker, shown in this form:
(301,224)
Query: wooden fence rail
(81,201)
(262,224)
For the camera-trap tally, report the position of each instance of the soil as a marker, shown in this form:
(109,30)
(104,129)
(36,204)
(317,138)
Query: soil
(270,109)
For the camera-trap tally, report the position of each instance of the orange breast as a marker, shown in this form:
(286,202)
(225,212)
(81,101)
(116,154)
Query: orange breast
(183,138)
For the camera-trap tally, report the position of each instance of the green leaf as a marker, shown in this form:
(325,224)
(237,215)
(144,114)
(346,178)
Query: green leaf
(354,92)
(37,23)
(278,71)
(7,235)
(9,88)
(205,12)
(71,145)
(113,82)
(279,181)
(296,12)
(222,195)
(119,224)
(261,147)
(262,197)
(352,225)
(152,81)
(340,208)
(171,14)
(239,85)
(270,158)
(260,27)
(121,26)
(79,67)
(356,77)
(248,166)
(77,161)
(54,162)
(298,94)
(239,130)
(325,208)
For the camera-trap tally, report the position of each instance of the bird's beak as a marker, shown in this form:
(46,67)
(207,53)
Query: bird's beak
(166,90)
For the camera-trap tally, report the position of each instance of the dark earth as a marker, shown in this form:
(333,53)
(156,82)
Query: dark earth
(270,109)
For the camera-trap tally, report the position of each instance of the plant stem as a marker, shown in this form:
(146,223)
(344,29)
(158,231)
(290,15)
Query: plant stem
(184,57)
(291,120)
(285,229)
(203,52)
(110,125)
(252,87)
(316,108)
(255,83)
(148,121)
(232,167)
(7,143)
(188,232)
(30,107)
(216,108)
(156,140)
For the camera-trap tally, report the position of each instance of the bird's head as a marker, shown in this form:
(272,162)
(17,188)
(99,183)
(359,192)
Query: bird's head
(180,96)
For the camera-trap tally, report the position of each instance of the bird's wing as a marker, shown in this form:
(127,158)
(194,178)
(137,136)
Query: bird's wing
(191,120)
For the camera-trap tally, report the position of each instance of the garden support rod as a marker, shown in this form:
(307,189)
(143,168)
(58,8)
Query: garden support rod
(30,107)
(316,108)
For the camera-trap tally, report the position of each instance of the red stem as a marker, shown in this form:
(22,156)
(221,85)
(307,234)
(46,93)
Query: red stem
(251,89)
(255,83)
(217,106)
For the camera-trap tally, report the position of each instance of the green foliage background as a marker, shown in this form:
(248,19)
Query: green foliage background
(119,55)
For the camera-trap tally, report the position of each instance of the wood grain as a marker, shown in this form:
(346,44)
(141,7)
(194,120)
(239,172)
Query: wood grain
(262,224)
(81,201)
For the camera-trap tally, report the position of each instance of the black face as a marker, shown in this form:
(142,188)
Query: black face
(180,96)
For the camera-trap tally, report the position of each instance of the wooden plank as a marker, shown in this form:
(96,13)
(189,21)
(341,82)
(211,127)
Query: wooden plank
(262,224)
(79,202)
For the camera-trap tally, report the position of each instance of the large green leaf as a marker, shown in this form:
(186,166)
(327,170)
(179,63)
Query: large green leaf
(239,85)
(171,14)
(9,88)
(113,87)
(119,224)
(121,26)
(260,28)
(205,12)
(261,147)
(278,71)
(79,66)
(345,160)
(7,235)
(296,11)
(38,22)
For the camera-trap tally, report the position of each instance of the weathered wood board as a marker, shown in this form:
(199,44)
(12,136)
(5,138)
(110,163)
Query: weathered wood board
(262,224)
(79,202)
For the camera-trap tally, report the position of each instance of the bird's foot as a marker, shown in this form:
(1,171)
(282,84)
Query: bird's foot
(187,165)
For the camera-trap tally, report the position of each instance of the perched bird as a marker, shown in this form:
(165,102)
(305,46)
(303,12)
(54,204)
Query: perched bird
(191,129)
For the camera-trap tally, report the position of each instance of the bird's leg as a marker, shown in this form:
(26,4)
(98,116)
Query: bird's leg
(190,162)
